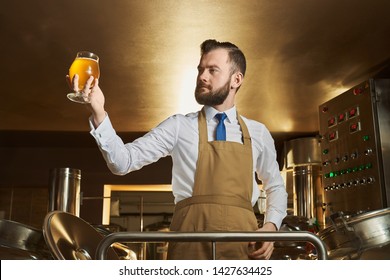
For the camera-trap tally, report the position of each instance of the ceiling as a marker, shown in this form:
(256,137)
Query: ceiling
(300,53)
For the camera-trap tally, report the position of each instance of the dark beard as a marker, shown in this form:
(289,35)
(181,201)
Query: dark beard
(212,98)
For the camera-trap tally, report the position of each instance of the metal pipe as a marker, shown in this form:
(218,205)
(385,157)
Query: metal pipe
(213,250)
(306,236)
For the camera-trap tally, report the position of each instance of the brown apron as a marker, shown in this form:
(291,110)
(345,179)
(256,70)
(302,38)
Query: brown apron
(221,198)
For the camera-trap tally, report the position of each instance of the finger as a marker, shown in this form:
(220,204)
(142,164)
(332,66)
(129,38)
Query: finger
(88,84)
(269,251)
(95,87)
(264,252)
(96,83)
(75,82)
(269,255)
(259,254)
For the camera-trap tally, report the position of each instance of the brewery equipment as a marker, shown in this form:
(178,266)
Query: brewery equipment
(302,176)
(355,146)
(22,242)
(71,238)
(302,172)
(351,237)
(64,191)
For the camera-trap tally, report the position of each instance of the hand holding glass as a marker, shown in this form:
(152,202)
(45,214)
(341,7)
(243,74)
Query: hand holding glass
(85,65)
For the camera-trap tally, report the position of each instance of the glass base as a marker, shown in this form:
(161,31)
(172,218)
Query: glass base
(78,98)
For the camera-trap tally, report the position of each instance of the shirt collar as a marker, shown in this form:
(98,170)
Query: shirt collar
(211,112)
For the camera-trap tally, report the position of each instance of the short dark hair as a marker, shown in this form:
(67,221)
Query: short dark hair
(236,56)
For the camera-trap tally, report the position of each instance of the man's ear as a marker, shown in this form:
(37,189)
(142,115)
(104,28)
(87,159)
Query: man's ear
(237,79)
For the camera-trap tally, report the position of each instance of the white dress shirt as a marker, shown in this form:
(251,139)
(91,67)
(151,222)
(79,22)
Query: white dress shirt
(178,137)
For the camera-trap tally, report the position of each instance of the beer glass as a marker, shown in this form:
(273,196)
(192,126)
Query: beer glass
(86,64)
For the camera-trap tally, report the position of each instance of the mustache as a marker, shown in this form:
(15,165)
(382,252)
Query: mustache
(201,84)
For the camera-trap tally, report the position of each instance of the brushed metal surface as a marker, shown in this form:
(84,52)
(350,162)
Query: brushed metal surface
(355,149)
(210,237)
(71,238)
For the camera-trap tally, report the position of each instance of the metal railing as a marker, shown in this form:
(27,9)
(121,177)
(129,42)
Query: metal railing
(213,237)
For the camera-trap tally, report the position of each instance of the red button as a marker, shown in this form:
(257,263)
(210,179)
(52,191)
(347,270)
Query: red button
(342,117)
(354,127)
(332,136)
(357,91)
(352,112)
(332,121)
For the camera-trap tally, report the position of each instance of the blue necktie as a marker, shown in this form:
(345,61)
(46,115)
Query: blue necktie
(221,129)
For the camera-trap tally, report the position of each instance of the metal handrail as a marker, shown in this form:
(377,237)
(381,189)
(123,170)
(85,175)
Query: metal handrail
(213,237)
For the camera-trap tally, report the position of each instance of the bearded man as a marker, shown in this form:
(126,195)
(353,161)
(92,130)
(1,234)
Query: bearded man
(216,154)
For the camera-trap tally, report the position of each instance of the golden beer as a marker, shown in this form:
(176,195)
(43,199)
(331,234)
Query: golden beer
(86,64)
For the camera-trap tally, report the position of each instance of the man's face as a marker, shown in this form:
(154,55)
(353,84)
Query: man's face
(214,78)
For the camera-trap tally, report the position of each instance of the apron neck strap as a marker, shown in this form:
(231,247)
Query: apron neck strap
(203,136)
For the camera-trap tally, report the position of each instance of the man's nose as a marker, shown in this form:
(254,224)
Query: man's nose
(202,75)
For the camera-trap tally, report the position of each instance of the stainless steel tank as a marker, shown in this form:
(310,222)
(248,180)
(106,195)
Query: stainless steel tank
(22,242)
(303,175)
(302,151)
(64,190)
(364,236)
(306,179)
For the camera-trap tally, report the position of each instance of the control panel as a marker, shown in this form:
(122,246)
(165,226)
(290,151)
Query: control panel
(352,149)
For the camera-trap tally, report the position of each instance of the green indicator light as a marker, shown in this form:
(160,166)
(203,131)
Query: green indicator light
(325,152)
(343,171)
(336,173)
(349,170)
(362,167)
(366,138)
(369,165)
(327,175)
(355,169)
(331,174)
